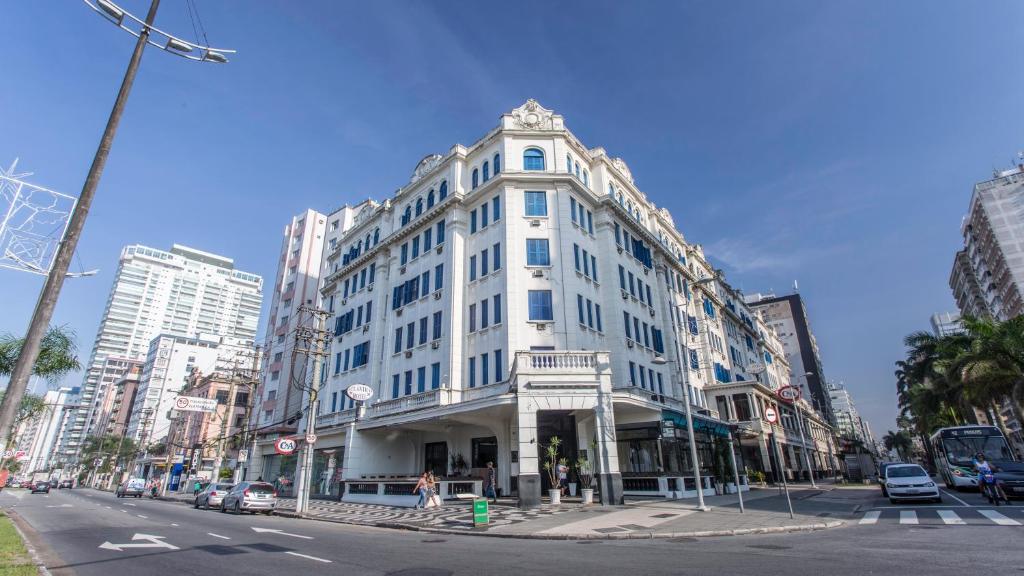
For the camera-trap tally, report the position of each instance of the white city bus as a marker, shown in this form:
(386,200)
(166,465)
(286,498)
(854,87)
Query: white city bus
(955,448)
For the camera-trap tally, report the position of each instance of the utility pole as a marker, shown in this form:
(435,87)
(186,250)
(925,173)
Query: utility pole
(310,341)
(229,411)
(43,312)
(253,381)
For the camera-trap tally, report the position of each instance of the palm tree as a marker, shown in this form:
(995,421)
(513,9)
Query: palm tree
(57,354)
(899,441)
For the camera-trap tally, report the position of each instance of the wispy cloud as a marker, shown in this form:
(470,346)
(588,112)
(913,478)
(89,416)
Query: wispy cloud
(743,255)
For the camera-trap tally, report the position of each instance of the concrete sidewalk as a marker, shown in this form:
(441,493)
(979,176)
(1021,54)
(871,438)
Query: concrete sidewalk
(765,512)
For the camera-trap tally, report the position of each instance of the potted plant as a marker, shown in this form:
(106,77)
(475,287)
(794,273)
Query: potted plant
(457,463)
(756,476)
(585,472)
(551,463)
(718,465)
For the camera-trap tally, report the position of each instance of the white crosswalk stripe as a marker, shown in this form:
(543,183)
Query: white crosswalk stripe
(871,517)
(950,517)
(998,518)
(908,517)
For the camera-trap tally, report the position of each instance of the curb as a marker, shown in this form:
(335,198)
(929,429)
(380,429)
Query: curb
(16,520)
(631,536)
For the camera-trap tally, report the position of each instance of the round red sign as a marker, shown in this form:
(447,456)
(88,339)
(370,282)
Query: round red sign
(771,415)
(788,394)
(284,446)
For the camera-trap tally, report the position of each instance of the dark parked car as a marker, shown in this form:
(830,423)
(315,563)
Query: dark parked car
(1011,475)
(41,486)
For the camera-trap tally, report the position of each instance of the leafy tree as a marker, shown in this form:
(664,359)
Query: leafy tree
(57,354)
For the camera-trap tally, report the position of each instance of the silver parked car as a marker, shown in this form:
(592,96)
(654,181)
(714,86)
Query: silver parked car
(250,497)
(212,495)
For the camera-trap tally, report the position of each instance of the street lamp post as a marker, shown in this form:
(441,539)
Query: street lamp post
(661,361)
(47,301)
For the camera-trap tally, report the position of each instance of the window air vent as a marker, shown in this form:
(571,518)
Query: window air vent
(408,353)
(538,273)
(629,343)
(437,295)
(535,223)
(625,295)
(435,344)
(398,312)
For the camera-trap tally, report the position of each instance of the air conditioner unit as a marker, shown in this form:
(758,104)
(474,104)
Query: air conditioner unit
(439,246)
(625,295)
(538,273)
(366,328)
(408,353)
(619,248)
(344,301)
(652,312)
(647,271)
(629,343)
(541,326)
(369,288)
(401,270)
(340,338)
(535,223)
(437,295)
(398,312)
(435,344)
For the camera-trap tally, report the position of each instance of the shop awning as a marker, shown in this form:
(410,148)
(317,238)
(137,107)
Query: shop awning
(700,422)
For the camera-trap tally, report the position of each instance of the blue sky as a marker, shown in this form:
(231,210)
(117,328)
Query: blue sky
(834,143)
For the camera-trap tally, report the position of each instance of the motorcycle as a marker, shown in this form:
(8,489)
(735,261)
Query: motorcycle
(991,489)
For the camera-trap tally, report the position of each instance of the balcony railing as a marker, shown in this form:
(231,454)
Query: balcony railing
(407,403)
(495,389)
(335,418)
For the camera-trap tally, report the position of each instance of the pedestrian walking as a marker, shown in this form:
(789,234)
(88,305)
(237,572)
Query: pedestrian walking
(421,489)
(563,478)
(491,483)
(197,487)
(434,498)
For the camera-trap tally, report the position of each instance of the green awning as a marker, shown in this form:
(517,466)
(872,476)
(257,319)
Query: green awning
(700,422)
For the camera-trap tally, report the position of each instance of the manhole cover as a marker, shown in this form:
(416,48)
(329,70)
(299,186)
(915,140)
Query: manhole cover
(665,515)
(769,546)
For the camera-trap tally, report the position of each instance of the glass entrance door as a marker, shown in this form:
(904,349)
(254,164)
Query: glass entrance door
(435,458)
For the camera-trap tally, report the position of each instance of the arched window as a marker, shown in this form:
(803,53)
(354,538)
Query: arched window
(611,190)
(568,164)
(476,177)
(487,171)
(497,164)
(533,159)
(430,199)
(376,236)
(407,215)
(621,199)
(444,190)
(577,169)
(367,240)
(586,179)
(419,206)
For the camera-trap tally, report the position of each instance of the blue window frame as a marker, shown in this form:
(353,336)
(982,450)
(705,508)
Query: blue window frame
(533,159)
(476,178)
(404,254)
(568,163)
(597,316)
(438,277)
(484,263)
(408,382)
(625,320)
(398,340)
(579,306)
(767,358)
(410,335)
(423,330)
(496,251)
(437,325)
(487,171)
(472,222)
(472,372)
(593,268)
(344,366)
(440,232)
(496,206)
(622,277)
(435,375)
(694,360)
(576,256)
(632,373)
(419,206)
(537,252)
(485,372)
(395,381)
(709,309)
(497,308)
(484,314)
(540,305)
(421,379)
(443,193)
(427,237)
(691,322)
(483,215)
(430,199)
(337,362)
(415,247)
(497,366)
(472,268)
(572,208)
(497,168)
(536,203)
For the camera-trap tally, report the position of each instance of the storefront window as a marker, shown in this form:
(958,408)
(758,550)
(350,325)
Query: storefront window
(327,472)
(485,450)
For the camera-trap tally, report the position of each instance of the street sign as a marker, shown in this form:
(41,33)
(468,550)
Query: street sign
(788,394)
(243,455)
(310,438)
(21,455)
(8,453)
(195,404)
(481,512)
(284,446)
(359,392)
(195,458)
(771,415)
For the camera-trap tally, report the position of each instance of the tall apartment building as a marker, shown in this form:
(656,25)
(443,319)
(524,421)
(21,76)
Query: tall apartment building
(989,271)
(516,290)
(40,435)
(181,292)
(946,324)
(788,316)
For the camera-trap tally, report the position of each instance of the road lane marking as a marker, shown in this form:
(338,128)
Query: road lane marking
(127,504)
(141,516)
(950,517)
(153,541)
(217,536)
(946,492)
(125,511)
(282,533)
(324,560)
(908,517)
(871,517)
(998,518)
(173,524)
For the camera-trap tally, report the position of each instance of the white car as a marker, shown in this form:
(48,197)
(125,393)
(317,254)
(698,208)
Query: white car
(910,482)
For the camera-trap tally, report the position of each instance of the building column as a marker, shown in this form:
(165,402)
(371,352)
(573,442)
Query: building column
(529,464)
(609,479)
(353,463)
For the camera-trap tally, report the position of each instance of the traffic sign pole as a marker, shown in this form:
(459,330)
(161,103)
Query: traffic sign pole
(782,472)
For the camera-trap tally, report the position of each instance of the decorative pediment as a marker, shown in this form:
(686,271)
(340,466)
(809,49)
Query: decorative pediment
(533,116)
(425,166)
(620,165)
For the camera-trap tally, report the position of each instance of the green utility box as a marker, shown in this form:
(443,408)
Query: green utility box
(481,512)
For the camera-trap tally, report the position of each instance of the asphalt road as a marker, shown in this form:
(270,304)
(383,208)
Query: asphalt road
(171,538)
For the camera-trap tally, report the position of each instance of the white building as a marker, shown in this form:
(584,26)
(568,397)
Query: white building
(40,435)
(515,290)
(181,292)
(946,324)
(169,363)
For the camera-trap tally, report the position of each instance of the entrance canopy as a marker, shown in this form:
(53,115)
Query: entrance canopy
(710,425)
